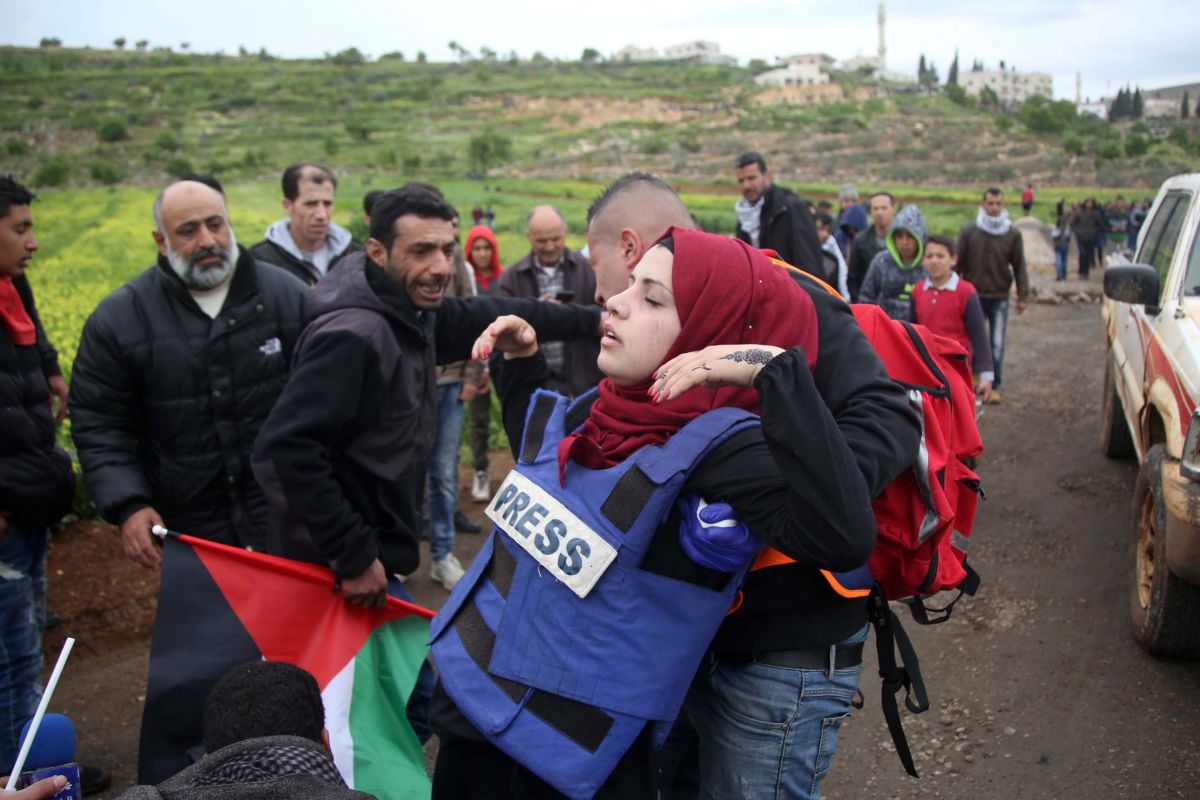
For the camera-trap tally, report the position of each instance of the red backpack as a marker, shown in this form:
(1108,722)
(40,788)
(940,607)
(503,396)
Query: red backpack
(926,515)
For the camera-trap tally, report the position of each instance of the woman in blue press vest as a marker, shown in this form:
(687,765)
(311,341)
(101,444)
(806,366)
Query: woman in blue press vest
(567,650)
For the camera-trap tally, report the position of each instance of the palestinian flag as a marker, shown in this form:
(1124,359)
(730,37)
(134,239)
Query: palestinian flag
(220,606)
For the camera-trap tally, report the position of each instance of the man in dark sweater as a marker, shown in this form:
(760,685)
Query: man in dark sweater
(306,243)
(771,217)
(869,241)
(344,471)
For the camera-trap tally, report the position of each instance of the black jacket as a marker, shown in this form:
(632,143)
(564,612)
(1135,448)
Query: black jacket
(579,355)
(166,402)
(831,439)
(271,253)
(45,347)
(36,480)
(862,249)
(343,455)
(788,229)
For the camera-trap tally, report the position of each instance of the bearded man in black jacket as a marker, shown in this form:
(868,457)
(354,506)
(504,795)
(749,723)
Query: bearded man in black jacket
(176,372)
(771,217)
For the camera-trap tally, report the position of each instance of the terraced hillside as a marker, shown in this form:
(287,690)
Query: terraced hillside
(88,116)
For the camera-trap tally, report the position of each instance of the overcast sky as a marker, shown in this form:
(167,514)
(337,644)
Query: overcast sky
(1112,42)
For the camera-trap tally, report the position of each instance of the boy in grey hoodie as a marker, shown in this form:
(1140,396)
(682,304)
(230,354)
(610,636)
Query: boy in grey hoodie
(897,268)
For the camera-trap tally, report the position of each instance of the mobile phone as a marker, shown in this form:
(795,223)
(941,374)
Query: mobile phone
(564,295)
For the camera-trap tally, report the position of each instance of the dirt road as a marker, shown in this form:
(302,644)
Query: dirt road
(1038,690)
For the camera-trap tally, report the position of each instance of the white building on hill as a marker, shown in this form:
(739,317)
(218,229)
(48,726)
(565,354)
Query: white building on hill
(698,53)
(802,70)
(1097,108)
(1012,87)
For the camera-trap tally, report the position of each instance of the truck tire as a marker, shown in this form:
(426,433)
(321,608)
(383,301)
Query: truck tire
(1115,440)
(1165,610)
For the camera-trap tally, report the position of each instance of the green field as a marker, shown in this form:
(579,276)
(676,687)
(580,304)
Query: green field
(93,240)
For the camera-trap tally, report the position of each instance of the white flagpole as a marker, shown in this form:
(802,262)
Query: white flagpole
(37,718)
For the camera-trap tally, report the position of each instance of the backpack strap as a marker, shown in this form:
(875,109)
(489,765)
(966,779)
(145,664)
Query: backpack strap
(924,615)
(890,636)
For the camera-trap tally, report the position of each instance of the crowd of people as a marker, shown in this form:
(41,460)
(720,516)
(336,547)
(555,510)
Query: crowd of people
(1089,224)
(306,397)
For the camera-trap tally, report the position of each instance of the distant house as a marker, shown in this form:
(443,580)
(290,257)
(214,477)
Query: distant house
(1012,87)
(868,64)
(819,60)
(1161,106)
(802,70)
(635,53)
(698,52)
(1097,108)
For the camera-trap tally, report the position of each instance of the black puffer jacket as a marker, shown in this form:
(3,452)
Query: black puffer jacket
(36,481)
(166,402)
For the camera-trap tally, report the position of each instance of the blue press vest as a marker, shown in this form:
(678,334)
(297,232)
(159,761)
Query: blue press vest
(564,684)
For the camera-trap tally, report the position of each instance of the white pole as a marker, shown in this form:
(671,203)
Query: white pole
(37,718)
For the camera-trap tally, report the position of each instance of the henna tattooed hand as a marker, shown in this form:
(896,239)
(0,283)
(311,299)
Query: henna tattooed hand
(714,366)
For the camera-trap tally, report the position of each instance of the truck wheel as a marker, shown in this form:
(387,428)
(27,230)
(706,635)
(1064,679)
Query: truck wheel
(1115,440)
(1165,609)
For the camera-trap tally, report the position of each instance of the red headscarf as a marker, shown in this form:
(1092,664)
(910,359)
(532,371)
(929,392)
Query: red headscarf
(13,315)
(726,292)
(484,232)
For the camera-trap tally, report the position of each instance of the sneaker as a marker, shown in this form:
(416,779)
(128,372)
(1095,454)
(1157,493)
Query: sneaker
(993,398)
(446,571)
(481,489)
(464,524)
(92,780)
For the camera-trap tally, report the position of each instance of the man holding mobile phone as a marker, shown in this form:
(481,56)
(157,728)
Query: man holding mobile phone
(553,272)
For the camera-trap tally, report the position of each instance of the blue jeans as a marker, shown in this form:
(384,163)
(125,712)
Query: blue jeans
(995,311)
(443,470)
(1060,264)
(768,731)
(22,618)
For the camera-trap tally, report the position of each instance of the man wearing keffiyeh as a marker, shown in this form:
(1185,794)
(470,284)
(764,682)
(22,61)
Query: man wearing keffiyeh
(991,255)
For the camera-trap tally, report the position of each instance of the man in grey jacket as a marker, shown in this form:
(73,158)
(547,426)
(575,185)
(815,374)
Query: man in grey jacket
(307,243)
